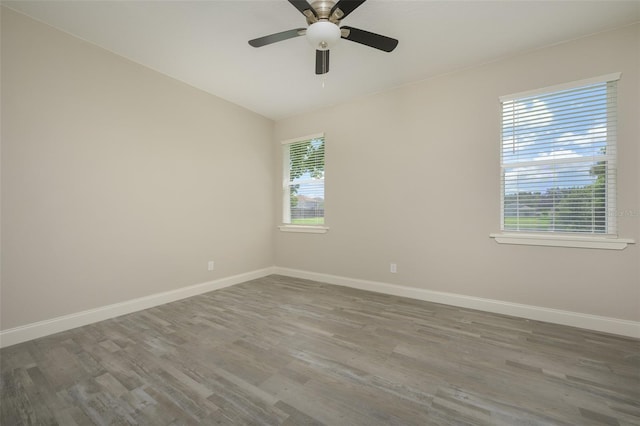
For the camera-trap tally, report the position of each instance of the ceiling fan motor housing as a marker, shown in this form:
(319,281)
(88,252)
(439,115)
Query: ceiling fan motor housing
(323,10)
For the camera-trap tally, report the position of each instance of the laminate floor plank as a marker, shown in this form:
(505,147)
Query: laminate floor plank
(287,351)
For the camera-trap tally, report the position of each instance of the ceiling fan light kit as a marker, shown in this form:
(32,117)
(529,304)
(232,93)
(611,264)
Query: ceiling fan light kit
(324,31)
(323,35)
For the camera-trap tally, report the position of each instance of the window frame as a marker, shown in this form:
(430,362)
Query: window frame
(286,206)
(607,240)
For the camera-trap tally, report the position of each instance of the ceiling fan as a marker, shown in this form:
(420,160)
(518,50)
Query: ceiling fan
(323,31)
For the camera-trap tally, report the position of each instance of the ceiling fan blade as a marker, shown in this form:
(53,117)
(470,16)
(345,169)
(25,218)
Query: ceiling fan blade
(374,40)
(274,38)
(322,61)
(304,7)
(344,7)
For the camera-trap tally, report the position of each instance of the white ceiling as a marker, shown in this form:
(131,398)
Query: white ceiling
(204,43)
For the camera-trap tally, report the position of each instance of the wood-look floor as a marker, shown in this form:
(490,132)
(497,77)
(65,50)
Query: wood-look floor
(280,350)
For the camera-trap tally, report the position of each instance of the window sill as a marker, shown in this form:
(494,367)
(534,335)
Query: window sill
(309,229)
(563,241)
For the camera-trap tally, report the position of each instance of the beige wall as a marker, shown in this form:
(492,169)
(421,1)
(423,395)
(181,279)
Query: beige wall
(119,182)
(412,177)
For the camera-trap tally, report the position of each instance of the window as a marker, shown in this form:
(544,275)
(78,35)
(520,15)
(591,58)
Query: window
(558,159)
(303,184)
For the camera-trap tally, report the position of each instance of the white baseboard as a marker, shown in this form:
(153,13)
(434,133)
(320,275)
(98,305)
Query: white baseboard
(31,331)
(574,319)
(38,329)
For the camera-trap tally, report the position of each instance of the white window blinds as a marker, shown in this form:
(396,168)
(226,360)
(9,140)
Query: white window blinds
(303,183)
(558,158)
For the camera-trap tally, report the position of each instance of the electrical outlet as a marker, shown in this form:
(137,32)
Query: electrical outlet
(393,268)
(211,265)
